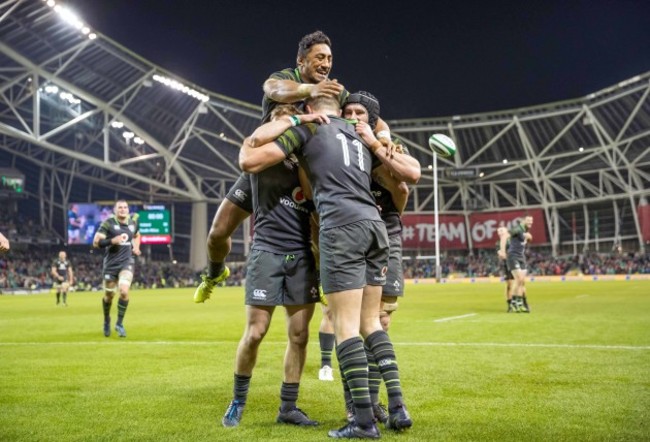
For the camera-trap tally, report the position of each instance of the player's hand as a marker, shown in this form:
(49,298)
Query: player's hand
(314,118)
(328,88)
(501,254)
(365,132)
(137,252)
(391,148)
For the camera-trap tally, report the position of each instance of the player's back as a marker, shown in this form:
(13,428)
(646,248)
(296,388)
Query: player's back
(339,167)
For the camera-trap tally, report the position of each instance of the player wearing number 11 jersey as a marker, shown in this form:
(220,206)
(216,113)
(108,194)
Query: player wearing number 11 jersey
(353,247)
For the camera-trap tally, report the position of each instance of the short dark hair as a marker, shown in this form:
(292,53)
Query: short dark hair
(309,40)
(323,101)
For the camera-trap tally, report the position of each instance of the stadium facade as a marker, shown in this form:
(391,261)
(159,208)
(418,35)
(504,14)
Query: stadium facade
(84,119)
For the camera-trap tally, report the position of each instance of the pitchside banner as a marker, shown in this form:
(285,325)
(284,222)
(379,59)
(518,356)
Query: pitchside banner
(419,232)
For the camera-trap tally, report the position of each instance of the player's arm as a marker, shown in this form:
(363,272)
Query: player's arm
(54,273)
(399,190)
(136,243)
(256,159)
(503,239)
(101,241)
(268,132)
(401,166)
(70,275)
(305,184)
(289,91)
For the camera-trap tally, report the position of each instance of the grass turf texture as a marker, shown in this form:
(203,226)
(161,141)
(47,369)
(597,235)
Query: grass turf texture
(576,368)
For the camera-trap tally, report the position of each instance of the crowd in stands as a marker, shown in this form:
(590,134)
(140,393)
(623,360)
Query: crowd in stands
(28,266)
(539,264)
(30,269)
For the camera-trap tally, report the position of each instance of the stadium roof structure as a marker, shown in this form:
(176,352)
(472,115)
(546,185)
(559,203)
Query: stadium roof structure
(85,113)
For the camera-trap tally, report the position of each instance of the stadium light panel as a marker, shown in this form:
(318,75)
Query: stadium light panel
(505,161)
(177,85)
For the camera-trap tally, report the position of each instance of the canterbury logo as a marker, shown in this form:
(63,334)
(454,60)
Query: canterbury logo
(259,294)
(385,362)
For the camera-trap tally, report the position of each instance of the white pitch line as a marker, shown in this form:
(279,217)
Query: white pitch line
(284,343)
(451,318)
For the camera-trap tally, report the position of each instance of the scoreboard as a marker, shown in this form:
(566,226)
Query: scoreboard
(155,224)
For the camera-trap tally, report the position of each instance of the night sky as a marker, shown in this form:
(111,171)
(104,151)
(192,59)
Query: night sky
(420,58)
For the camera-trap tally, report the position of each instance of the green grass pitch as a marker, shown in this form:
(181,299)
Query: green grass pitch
(576,368)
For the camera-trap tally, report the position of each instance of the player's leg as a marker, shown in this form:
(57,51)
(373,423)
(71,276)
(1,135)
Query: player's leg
(65,286)
(326,340)
(297,319)
(343,275)
(110,287)
(258,319)
(125,278)
(228,218)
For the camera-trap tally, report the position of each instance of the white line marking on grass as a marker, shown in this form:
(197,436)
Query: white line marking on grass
(284,343)
(502,344)
(451,318)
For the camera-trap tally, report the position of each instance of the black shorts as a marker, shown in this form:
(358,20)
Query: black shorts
(516,263)
(353,256)
(507,274)
(240,194)
(395,275)
(112,271)
(275,279)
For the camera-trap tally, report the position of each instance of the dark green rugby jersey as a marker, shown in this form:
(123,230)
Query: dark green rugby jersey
(516,246)
(281,210)
(338,165)
(122,252)
(389,212)
(292,74)
(62,266)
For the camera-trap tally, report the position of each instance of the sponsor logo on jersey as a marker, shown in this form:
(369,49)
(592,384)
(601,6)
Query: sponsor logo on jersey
(294,205)
(132,228)
(298,195)
(259,294)
(376,193)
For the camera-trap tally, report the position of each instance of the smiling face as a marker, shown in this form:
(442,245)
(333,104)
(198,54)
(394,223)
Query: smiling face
(121,210)
(528,222)
(316,65)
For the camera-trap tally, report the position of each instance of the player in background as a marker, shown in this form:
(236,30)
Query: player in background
(62,276)
(351,232)
(502,246)
(119,236)
(281,271)
(516,262)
